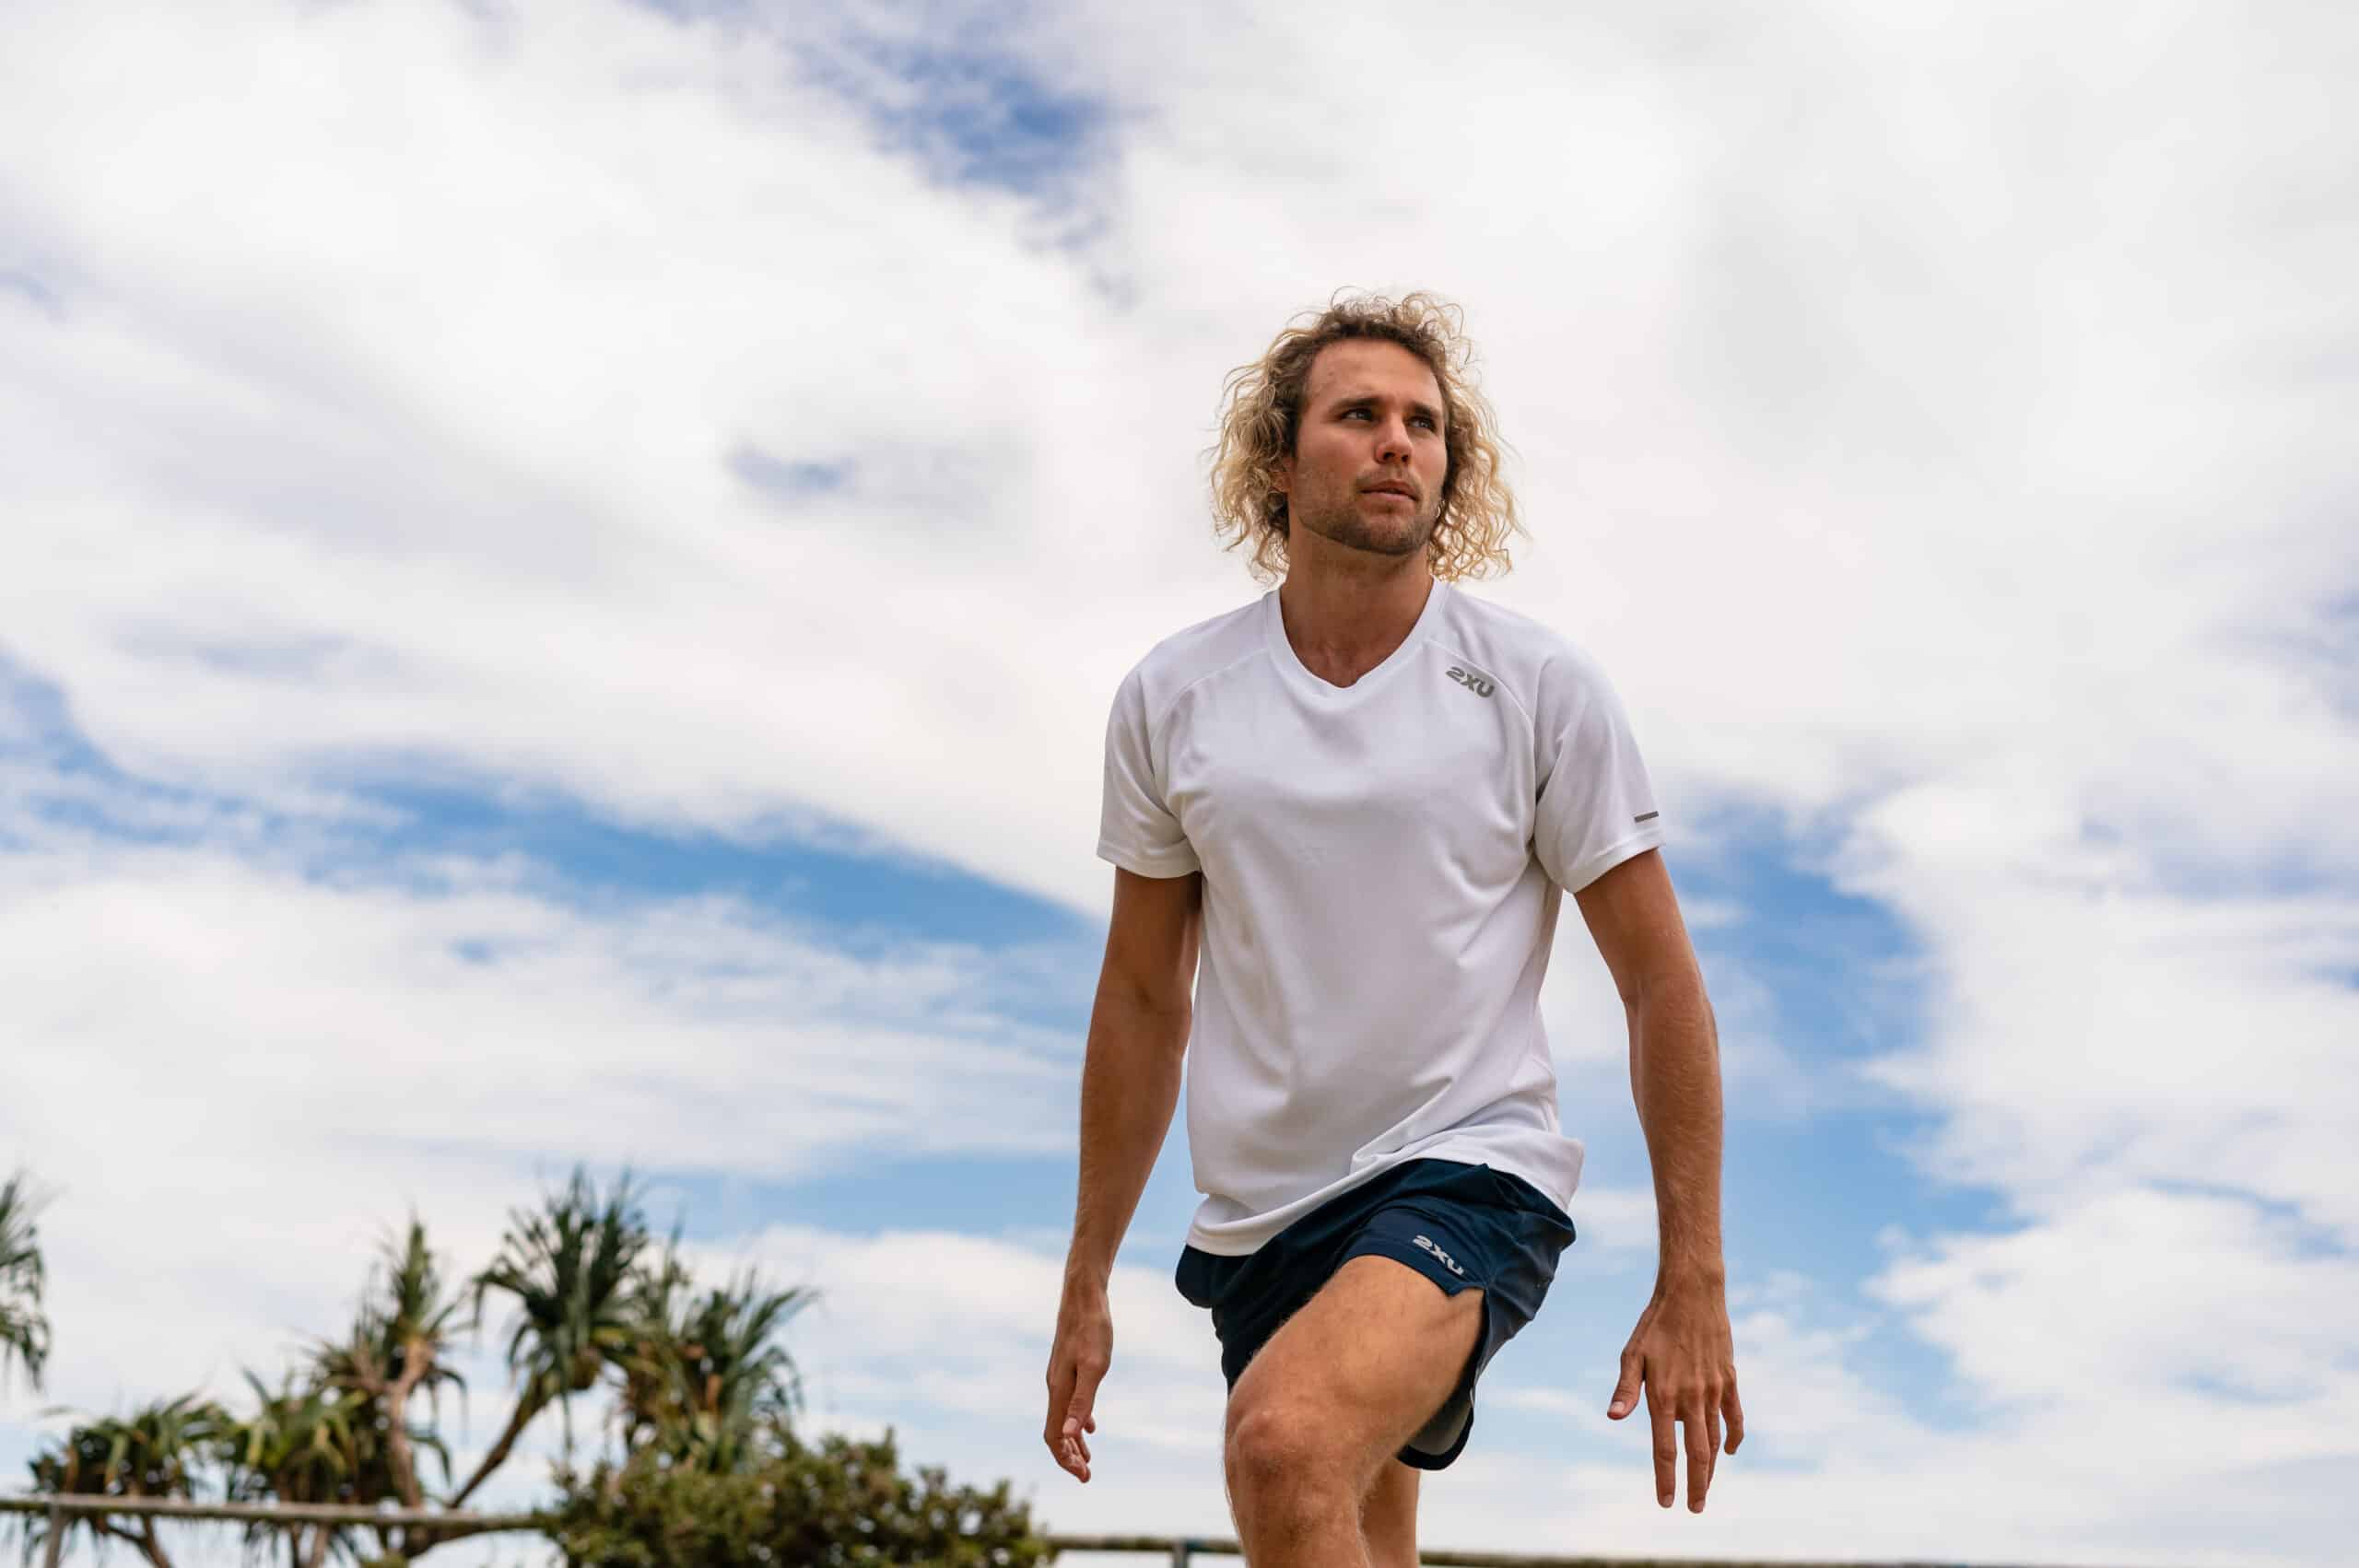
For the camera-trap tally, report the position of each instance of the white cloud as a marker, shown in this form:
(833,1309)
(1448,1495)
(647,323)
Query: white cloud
(2142,1034)
(237,1076)
(2180,1297)
(580,371)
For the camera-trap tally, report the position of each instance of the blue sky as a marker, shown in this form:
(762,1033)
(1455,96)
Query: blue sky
(564,567)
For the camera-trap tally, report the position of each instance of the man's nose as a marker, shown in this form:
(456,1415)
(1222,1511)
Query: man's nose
(1393,439)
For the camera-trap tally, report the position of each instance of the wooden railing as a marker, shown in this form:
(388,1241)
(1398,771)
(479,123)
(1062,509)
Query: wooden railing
(451,1525)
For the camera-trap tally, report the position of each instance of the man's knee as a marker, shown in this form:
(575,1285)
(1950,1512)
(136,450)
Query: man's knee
(1283,1444)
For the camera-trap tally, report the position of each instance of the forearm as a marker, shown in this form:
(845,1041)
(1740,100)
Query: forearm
(1676,1080)
(1130,1087)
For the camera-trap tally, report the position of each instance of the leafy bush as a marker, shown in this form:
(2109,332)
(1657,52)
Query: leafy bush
(836,1506)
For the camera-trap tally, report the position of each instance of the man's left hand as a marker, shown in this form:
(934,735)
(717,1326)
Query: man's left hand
(1684,1357)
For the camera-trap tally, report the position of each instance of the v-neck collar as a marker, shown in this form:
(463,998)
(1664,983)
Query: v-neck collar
(1282,650)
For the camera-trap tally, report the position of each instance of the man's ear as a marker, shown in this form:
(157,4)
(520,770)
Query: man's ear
(1282,476)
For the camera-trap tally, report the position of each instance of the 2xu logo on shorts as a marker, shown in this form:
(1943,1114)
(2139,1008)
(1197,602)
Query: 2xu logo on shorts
(1447,1261)
(1479,685)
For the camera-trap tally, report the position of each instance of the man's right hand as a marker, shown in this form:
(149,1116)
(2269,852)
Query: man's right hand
(1083,1348)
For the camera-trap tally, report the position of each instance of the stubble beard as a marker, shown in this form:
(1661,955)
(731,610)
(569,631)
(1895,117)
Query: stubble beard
(1342,521)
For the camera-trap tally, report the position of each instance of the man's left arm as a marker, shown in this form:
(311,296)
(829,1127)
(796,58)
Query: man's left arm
(1682,1354)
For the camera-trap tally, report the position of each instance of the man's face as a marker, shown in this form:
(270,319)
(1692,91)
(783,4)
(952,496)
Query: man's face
(1368,460)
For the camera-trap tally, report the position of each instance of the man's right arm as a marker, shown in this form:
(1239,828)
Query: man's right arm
(1130,1087)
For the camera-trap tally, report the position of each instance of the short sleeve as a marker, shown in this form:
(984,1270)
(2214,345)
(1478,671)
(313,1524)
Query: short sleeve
(1597,805)
(1136,829)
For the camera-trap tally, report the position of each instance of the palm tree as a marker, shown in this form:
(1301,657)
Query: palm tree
(24,1330)
(400,1345)
(156,1451)
(658,1295)
(570,1267)
(707,1373)
(306,1443)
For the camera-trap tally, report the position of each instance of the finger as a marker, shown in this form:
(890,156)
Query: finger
(1626,1390)
(1070,1457)
(1735,1413)
(1666,1449)
(1060,1395)
(1712,1430)
(1080,1410)
(1080,1418)
(1699,1454)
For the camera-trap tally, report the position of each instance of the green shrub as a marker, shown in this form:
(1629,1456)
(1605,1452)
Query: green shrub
(836,1506)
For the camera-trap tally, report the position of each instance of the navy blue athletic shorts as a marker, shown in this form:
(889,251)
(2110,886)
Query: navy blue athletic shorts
(1458,1225)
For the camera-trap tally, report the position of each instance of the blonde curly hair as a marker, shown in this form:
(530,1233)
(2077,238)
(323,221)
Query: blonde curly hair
(1262,415)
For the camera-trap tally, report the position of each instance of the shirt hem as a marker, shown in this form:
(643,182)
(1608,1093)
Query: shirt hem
(1148,865)
(1613,855)
(1453,1153)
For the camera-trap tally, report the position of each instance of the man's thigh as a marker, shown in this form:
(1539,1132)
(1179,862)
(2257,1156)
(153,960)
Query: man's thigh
(1364,1363)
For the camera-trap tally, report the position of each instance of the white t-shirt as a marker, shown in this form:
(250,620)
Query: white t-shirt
(1383,864)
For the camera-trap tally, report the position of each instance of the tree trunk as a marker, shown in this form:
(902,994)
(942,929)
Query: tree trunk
(101,1529)
(397,1445)
(517,1420)
(150,1547)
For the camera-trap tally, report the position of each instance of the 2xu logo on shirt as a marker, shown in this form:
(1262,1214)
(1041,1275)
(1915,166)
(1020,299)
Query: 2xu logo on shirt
(1479,685)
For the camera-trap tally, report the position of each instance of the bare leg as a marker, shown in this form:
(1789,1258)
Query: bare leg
(1316,1421)
(1389,1517)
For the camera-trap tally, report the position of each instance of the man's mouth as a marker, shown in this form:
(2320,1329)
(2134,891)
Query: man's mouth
(1400,490)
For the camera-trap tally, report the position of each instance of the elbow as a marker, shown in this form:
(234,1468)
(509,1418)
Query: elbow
(1149,1013)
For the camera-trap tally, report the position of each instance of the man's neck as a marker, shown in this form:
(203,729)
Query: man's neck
(1346,617)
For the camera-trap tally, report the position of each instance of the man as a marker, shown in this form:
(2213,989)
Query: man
(1360,799)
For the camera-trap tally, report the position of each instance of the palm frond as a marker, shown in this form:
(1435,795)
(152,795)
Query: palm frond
(160,1449)
(710,1374)
(24,1327)
(569,1270)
